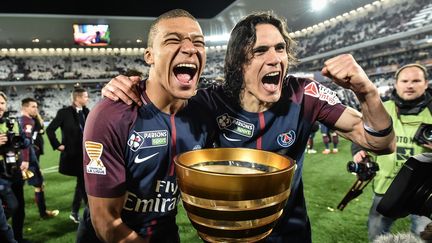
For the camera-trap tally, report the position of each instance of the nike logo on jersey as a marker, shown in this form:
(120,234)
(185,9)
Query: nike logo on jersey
(231,139)
(138,160)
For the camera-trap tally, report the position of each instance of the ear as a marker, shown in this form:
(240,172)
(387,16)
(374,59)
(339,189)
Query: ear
(148,56)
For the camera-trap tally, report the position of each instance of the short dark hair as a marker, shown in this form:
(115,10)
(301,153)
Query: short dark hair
(419,66)
(26,101)
(240,44)
(77,91)
(175,13)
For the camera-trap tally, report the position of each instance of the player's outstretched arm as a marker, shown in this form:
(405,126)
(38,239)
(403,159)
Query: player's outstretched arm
(372,128)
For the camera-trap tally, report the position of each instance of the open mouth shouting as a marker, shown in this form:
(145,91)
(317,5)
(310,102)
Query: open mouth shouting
(271,81)
(185,73)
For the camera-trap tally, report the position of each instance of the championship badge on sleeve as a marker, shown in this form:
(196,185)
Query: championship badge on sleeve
(94,152)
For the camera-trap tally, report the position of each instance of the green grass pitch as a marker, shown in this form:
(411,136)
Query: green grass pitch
(325,180)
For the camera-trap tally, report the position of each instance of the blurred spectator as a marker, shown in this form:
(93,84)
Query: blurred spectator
(329,136)
(28,111)
(71,121)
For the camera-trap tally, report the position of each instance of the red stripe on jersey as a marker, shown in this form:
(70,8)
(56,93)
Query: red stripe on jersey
(173,144)
(144,98)
(150,228)
(262,125)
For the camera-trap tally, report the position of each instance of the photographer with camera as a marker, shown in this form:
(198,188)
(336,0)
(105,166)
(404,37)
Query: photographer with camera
(11,182)
(411,192)
(410,107)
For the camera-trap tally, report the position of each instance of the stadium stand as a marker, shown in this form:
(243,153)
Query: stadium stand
(380,43)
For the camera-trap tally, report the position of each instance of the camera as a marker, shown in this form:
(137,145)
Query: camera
(14,141)
(411,190)
(424,134)
(9,150)
(365,170)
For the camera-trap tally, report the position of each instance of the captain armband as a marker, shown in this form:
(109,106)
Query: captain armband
(381,133)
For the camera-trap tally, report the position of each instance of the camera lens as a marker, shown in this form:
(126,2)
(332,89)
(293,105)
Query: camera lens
(427,134)
(354,167)
(17,142)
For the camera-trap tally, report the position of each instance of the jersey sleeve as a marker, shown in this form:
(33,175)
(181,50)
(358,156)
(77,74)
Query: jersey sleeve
(323,103)
(27,126)
(105,140)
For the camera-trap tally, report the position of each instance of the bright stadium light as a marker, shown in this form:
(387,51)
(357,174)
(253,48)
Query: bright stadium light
(318,5)
(217,38)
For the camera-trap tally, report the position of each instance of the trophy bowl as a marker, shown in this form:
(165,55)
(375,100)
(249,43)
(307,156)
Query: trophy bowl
(233,194)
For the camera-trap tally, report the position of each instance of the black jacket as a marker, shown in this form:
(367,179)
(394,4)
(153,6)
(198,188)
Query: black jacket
(71,159)
(38,142)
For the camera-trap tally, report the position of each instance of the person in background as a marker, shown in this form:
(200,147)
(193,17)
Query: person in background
(28,111)
(276,113)
(71,121)
(329,136)
(410,106)
(310,143)
(6,232)
(39,131)
(11,184)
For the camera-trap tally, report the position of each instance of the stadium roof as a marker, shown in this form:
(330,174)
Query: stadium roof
(50,21)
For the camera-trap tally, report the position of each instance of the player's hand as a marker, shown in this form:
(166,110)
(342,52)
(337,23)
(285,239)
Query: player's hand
(61,148)
(359,156)
(24,166)
(3,138)
(427,233)
(346,72)
(429,146)
(123,88)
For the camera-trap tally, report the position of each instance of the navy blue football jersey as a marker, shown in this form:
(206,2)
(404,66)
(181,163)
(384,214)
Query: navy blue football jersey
(284,129)
(130,150)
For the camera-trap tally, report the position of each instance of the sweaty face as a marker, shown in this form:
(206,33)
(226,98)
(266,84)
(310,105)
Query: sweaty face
(266,69)
(3,106)
(177,56)
(411,83)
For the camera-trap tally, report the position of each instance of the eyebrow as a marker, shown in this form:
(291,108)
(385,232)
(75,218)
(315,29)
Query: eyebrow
(277,44)
(180,35)
(268,46)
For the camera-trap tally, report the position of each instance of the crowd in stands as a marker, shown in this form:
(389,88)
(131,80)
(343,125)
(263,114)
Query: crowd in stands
(50,99)
(375,23)
(380,61)
(67,67)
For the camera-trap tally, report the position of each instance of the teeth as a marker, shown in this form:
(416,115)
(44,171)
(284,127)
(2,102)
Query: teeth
(272,74)
(188,65)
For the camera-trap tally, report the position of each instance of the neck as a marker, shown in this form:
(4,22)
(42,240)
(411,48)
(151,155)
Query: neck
(163,100)
(77,105)
(23,113)
(250,103)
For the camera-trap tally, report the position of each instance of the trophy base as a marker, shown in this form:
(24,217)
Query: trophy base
(213,239)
